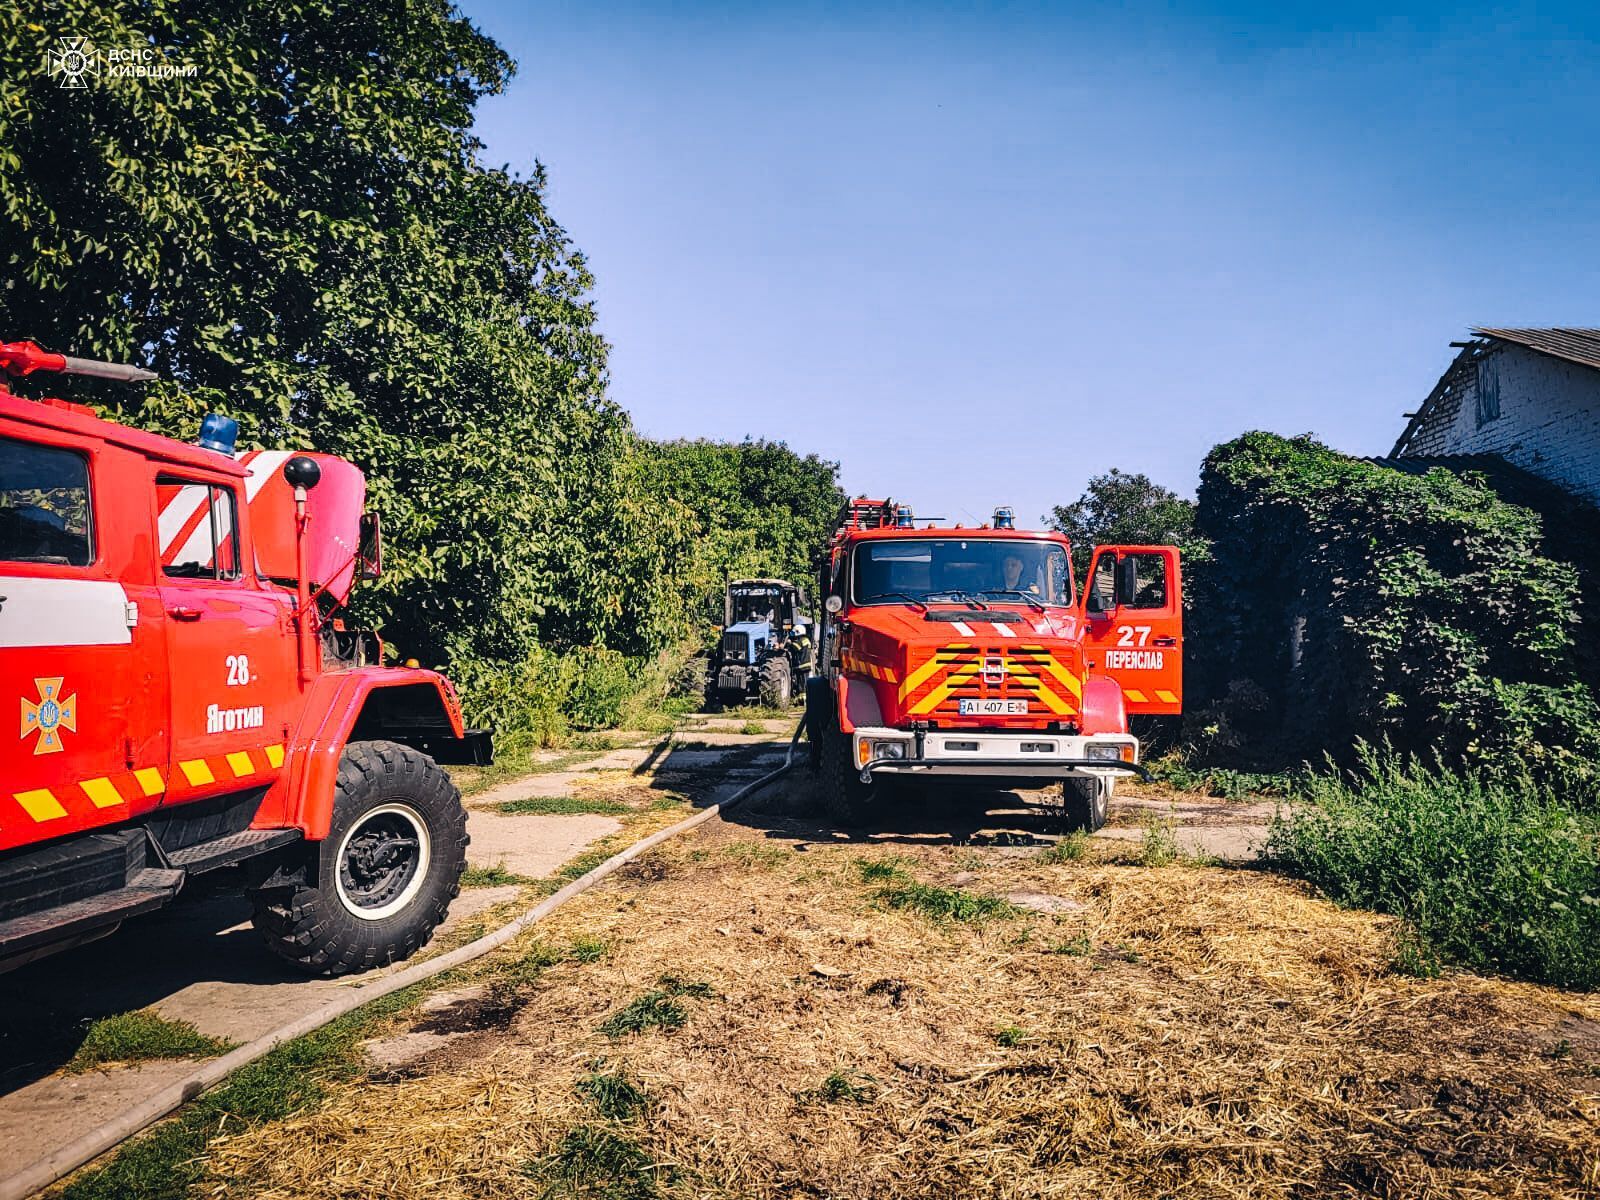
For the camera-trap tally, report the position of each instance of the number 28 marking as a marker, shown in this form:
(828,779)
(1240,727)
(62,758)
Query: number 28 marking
(238,670)
(1125,635)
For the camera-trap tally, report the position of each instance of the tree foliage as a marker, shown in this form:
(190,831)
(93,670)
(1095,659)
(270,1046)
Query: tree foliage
(1346,600)
(1119,508)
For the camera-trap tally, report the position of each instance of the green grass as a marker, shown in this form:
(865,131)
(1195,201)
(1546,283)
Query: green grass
(1159,846)
(613,1095)
(141,1036)
(1224,783)
(1069,849)
(877,870)
(167,1162)
(1491,873)
(1076,946)
(752,727)
(562,805)
(840,1087)
(656,1009)
(944,904)
(495,876)
(1012,1036)
(597,1164)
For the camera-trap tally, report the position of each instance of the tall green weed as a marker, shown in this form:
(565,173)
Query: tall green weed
(1495,872)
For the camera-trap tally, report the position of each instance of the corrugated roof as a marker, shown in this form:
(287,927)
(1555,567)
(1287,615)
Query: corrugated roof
(1574,345)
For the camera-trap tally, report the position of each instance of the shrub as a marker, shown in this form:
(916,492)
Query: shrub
(1496,873)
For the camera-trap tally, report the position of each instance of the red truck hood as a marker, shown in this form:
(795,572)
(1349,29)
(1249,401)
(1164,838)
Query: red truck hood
(922,668)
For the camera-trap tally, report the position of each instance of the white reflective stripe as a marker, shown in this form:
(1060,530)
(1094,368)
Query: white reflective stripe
(1002,630)
(185,502)
(198,549)
(62,612)
(262,465)
(962,628)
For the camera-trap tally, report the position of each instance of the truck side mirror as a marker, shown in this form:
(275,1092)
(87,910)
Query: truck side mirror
(369,563)
(1127,580)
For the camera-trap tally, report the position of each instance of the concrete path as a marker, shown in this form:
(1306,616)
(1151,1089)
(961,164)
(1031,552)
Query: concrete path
(200,961)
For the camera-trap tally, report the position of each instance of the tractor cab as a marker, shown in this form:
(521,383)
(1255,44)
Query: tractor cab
(766,643)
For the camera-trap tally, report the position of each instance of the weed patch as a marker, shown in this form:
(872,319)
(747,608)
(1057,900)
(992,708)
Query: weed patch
(595,1162)
(613,1095)
(876,870)
(141,1036)
(1071,848)
(656,1009)
(1011,1036)
(841,1087)
(1159,846)
(562,806)
(495,876)
(945,904)
(1495,874)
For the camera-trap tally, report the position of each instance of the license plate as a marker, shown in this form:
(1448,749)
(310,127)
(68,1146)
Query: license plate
(991,708)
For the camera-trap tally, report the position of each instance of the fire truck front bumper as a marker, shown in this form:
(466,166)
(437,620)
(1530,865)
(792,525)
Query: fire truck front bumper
(1028,754)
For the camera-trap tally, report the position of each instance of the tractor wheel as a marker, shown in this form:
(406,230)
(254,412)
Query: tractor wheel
(845,799)
(1084,801)
(775,683)
(373,890)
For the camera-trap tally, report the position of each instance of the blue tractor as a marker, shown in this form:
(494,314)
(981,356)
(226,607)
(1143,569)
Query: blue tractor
(767,647)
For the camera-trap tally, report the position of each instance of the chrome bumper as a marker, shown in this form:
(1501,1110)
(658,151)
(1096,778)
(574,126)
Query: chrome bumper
(990,753)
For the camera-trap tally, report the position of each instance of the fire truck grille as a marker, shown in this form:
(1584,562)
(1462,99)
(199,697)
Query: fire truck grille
(935,687)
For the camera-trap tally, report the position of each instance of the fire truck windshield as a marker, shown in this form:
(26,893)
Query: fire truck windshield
(959,570)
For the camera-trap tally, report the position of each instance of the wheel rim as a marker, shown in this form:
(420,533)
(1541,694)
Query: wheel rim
(383,861)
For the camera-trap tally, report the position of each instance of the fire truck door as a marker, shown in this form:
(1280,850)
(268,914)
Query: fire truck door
(226,639)
(1133,609)
(68,641)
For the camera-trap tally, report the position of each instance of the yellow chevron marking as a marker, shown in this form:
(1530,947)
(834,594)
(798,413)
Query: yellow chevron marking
(102,792)
(197,772)
(40,804)
(1051,701)
(1133,694)
(1057,672)
(957,676)
(275,755)
(150,781)
(888,674)
(239,762)
(940,658)
(1165,696)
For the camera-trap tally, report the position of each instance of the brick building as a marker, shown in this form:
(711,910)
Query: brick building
(1530,397)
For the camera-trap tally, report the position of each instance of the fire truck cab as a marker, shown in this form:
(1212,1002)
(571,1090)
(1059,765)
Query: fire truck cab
(187,698)
(970,652)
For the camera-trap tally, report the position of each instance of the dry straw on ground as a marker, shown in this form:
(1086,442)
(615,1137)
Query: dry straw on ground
(1188,1032)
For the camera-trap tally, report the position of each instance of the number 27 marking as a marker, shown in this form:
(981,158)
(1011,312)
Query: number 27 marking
(1125,634)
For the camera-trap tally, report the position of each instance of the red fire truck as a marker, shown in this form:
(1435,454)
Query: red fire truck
(969,652)
(188,698)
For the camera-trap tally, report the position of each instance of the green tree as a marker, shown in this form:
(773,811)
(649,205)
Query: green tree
(1118,508)
(302,235)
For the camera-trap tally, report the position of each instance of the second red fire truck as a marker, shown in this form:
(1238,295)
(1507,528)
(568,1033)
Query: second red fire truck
(971,652)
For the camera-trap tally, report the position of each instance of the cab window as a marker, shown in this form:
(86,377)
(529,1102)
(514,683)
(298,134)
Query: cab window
(199,529)
(1150,581)
(44,505)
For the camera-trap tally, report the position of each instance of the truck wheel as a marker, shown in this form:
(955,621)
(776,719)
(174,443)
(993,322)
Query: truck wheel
(1084,801)
(373,890)
(845,799)
(775,683)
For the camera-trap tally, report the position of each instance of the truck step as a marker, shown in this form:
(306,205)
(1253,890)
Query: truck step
(234,848)
(46,877)
(148,889)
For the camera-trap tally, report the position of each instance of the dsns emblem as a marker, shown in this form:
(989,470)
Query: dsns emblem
(994,669)
(49,715)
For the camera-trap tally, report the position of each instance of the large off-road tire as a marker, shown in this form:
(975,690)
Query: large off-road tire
(846,801)
(374,889)
(774,683)
(1085,799)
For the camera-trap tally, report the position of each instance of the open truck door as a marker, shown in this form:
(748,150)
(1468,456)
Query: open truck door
(1133,612)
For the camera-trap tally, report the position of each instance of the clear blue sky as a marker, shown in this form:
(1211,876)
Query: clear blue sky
(977,255)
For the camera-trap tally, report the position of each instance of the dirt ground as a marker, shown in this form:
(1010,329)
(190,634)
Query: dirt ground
(947,1007)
